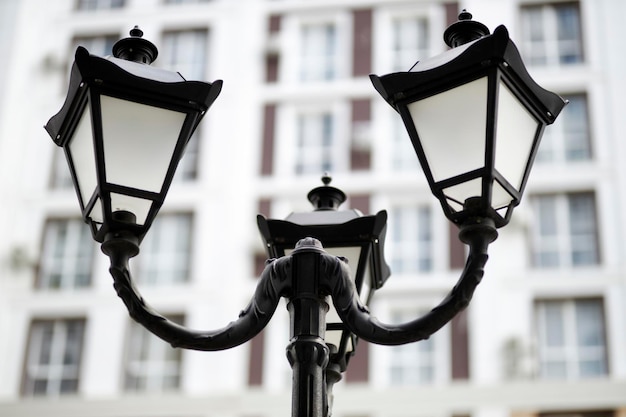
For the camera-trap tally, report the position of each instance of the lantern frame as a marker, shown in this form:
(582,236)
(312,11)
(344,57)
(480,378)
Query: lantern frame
(492,56)
(128,77)
(335,229)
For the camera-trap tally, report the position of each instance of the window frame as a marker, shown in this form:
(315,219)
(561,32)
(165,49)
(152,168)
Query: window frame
(563,239)
(551,46)
(286,144)
(82,240)
(570,350)
(193,66)
(151,261)
(160,356)
(94,5)
(58,350)
(558,136)
(290,39)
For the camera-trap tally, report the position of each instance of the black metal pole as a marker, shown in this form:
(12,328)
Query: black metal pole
(307,353)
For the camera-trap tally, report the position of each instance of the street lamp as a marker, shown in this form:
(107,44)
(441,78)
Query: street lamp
(475,118)
(345,233)
(124,127)
(478,101)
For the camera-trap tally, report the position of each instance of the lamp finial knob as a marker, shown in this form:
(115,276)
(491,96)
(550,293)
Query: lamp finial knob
(135,48)
(326,197)
(464,30)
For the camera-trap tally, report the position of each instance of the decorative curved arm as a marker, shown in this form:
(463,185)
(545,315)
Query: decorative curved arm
(272,285)
(478,235)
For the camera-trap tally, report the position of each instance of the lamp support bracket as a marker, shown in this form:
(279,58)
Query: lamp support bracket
(306,278)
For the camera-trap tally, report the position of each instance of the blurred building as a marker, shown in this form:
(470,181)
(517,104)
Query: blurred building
(546,333)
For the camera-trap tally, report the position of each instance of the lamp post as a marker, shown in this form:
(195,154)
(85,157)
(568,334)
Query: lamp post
(124,127)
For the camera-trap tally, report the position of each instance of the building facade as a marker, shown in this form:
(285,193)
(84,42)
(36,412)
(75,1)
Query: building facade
(545,335)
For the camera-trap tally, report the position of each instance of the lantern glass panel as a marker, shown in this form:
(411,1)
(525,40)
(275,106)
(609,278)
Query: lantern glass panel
(333,337)
(453,122)
(96,214)
(457,194)
(139,142)
(138,206)
(82,153)
(515,133)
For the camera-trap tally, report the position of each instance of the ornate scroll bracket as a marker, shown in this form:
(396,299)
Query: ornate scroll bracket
(478,234)
(272,285)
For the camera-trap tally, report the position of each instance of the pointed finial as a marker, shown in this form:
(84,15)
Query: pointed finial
(464,30)
(326,197)
(135,48)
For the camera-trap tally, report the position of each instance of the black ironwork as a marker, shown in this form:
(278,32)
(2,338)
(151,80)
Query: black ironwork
(307,276)
(126,76)
(493,57)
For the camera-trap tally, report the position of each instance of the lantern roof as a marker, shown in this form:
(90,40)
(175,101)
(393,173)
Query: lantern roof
(462,63)
(128,80)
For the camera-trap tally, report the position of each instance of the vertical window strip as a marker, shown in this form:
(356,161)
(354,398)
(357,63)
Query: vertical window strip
(413,363)
(552,34)
(186,53)
(411,240)
(318,52)
(90,5)
(566,232)
(166,251)
(572,340)
(316,145)
(410,41)
(569,140)
(53,357)
(152,364)
(67,255)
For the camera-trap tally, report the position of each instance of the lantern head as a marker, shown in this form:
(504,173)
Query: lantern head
(475,118)
(124,127)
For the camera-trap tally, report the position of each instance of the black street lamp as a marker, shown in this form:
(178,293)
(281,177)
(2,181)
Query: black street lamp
(124,127)
(477,101)
(475,118)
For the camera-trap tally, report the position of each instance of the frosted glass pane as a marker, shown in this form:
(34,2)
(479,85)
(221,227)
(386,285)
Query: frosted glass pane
(515,132)
(499,196)
(451,127)
(465,190)
(138,206)
(334,336)
(81,150)
(139,141)
(96,212)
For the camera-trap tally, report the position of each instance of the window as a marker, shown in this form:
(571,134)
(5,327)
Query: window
(568,140)
(53,357)
(185,1)
(99,4)
(315,152)
(418,363)
(411,249)
(61,178)
(165,251)
(403,154)
(187,169)
(151,364)
(552,34)
(318,52)
(565,232)
(410,42)
(186,52)
(571,339)
(97,45)
(67,255)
